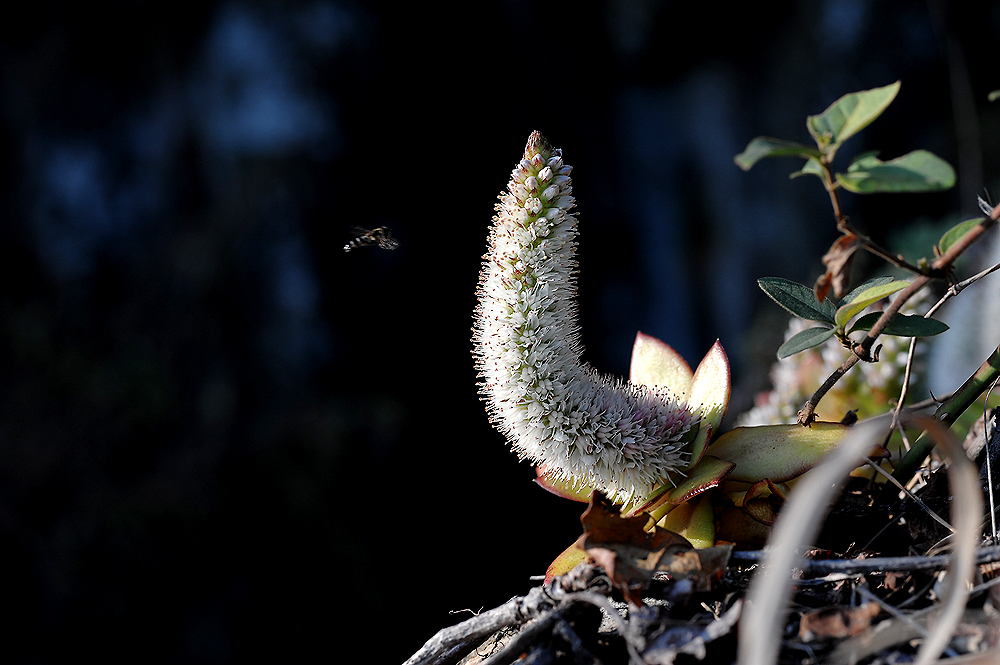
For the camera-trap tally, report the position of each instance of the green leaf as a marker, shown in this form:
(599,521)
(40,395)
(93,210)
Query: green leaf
(861,288)
(806,339)
(902,325)
(777,452)
(957,232)
(763,146)
(811,167)
(693,520)
(798,299)
(993,96)
(917,171)
(655,363)
(708,396)
(849,115)
(864,298)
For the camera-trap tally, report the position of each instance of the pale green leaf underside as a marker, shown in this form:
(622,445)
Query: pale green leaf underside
(865,298)
(853,294)
(849,115)
(957,232)
(811,167)
(763,146)
(917,171)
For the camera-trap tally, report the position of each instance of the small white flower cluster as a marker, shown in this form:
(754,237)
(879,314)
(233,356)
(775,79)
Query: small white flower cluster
(584,428)
(867,385)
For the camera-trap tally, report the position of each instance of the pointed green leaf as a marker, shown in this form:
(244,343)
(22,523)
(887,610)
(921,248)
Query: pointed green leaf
(861,300)
(806,339)
(957,232)
(701,477)
(811,167)
(655,363)
(902,325)
(710,387)
(704,476)
(694,520)
(917,171)
(798,299)
(849,115)
(763,146)
(569,559)
(560,487)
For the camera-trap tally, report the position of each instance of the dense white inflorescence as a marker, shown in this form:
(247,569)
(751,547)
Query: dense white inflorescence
(582,427)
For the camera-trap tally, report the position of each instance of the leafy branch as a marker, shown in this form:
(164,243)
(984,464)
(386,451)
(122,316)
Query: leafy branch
(862,350)
(916,171)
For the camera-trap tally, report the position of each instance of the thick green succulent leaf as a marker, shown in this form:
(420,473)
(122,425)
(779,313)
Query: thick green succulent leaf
(902,325)
(705,475)
(849,115)
(917,171)
(701,477)
(569,559)
(957,232)
(864,298)
(694,520)
(798,299)
(778,452)
(655,363)
(803,340)
(699,444)
(710,387)
(563,488)
(764,146)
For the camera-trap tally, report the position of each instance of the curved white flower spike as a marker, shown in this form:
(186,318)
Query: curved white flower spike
(585,430)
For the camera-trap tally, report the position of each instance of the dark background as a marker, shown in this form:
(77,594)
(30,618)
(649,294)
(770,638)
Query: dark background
(223,438)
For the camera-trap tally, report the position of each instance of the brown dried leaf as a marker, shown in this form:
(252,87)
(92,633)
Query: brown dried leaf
(838,267)
(631,555)
(837,622)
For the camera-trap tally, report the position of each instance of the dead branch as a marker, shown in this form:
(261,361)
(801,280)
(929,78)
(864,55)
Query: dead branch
(539,609)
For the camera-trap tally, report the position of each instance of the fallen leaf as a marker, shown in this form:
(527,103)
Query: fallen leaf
(837,622)
(630,554)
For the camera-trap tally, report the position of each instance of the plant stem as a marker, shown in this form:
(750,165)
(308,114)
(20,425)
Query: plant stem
(844,225)
(862,351)
(946,414)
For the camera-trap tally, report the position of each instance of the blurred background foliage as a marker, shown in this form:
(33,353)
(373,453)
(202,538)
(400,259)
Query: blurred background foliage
(222,437)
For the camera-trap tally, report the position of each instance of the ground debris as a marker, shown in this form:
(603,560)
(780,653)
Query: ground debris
(866,609)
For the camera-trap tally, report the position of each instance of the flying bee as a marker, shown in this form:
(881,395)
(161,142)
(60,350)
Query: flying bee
(381,237)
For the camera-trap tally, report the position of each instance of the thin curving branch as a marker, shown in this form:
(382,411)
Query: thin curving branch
(862,350)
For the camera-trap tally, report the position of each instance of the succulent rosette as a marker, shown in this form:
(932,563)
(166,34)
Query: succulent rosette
(584,430)
(645,442)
